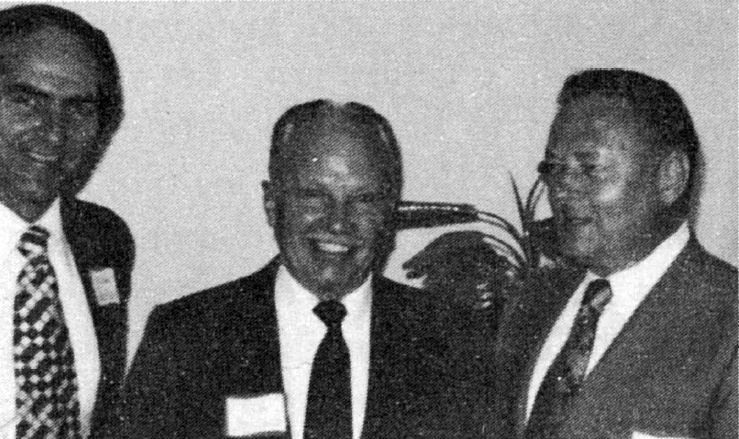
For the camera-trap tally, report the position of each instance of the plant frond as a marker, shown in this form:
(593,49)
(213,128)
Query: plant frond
(510,250)
(519,202)
(500,222)
(533,198)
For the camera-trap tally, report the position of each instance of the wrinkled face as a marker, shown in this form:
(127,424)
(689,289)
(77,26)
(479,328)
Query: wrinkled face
(603,185)
(48,117)
(330,211)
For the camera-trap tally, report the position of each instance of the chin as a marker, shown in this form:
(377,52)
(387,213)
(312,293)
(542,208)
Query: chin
(35,192)
(336,287)
(575,250)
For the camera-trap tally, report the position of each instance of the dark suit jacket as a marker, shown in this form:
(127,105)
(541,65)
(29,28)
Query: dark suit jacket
(223,342)
(672,371)
(100,239)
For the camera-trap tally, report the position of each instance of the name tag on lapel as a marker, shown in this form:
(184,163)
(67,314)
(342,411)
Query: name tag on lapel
(104,286)
(639,435)
(246,416)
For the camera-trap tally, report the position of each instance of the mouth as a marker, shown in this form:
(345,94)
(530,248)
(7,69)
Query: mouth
(577,221)
(569,218)
(332,248)
(42,158)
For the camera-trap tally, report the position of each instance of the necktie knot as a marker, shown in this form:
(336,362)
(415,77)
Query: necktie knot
(34,242)
(331,312)
(597,295)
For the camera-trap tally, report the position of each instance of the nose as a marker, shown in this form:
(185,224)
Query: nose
(339,218)
(567,182)
(56,125)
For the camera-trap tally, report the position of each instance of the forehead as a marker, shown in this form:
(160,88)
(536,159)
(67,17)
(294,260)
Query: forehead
(52,60)
(595,124)
(339,151)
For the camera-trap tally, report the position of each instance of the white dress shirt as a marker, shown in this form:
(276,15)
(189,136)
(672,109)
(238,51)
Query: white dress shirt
(74,303)
(301,331)
(629,288)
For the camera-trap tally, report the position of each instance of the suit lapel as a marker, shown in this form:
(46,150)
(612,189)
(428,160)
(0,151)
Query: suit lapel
(408,372)
(540,313)
(387,393)
(256,346)
(254,352)
(109,320)
(631,369)
(645,329)
(377,385)
(667,297)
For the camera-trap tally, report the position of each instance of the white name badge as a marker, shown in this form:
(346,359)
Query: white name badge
(639,435)
(104,286)
(255,415)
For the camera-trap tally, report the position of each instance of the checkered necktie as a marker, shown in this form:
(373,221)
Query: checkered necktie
(567,373)
(46,401)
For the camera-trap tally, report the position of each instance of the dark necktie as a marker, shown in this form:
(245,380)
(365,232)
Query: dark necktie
(328,412)
(567,373)
(46,384)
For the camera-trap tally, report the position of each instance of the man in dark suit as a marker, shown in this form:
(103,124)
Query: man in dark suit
(640,340)
(66,270)
(317,344)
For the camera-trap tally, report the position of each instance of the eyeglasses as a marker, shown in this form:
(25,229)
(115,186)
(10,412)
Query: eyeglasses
(551,171)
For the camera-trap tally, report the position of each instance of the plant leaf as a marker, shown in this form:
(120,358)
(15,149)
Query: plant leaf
(533,198)
(500,222)
(511,250)
(519,202)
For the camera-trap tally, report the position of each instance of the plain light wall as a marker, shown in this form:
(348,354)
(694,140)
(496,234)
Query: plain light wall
(469,88)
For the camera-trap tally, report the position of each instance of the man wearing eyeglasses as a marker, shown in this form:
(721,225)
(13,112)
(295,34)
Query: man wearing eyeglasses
(640,338)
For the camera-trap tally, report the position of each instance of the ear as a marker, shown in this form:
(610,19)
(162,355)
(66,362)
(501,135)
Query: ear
(270,204)
(673,177)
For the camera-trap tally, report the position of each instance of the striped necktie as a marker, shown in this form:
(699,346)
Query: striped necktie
(562,382)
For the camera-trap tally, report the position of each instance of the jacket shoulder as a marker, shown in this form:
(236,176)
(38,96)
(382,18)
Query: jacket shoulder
(711,270)
(708,284)
(408,303)
(97,232)
(94,218)
(211,305)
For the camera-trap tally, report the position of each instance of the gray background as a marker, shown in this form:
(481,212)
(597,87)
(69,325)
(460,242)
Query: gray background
(468,86)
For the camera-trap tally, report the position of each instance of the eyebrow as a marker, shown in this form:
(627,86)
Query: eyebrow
(586,155)
(579,155)
(33,91)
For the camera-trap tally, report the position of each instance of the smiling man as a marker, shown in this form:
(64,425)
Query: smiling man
(66,264)
(317,344)
(640,340)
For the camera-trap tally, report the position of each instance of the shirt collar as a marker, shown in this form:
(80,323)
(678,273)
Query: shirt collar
(357,302)
(13,226)
(51,220)
(636,281)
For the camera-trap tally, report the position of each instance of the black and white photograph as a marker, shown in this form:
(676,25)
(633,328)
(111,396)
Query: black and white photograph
(369,219)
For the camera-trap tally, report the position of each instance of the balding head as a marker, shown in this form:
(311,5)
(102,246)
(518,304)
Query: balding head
(335,181)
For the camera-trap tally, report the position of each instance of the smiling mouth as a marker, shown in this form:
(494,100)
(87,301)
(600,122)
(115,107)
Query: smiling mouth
(332,248)
(43,159)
